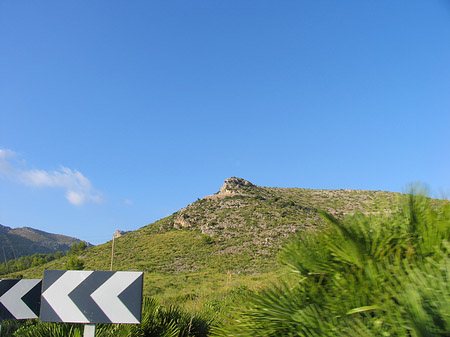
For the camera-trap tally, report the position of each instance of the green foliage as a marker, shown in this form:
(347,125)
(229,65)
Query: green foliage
(50,330)
(36,260)
(170,321)
(157,321)
(384,275)
(27,261)
(74,263)
(77,248)
(207,239)
(9,327)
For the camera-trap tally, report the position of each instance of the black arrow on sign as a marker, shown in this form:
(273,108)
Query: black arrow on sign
(81,296)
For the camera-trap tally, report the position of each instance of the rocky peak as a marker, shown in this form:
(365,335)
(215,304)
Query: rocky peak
(118,233)
(4,229)
(187,217)
(235,185)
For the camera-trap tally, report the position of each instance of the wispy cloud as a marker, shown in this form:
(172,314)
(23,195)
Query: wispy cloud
(78,188)
(5,167)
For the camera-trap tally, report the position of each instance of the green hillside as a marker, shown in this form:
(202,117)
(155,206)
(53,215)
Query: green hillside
(225,240)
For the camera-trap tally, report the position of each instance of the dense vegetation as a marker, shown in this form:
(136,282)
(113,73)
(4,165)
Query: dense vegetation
(379,275)
(28,261)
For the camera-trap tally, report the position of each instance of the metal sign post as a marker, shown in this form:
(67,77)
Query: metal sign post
(89,330)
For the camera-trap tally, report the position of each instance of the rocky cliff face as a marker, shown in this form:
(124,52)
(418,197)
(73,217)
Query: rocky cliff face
(234,185)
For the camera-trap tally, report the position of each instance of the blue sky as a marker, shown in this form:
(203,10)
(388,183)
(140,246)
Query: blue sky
(114,114)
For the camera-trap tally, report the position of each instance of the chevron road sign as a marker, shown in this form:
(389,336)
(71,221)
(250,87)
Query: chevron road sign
(81,296)
(20,299)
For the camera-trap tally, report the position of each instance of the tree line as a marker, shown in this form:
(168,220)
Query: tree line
(29,261)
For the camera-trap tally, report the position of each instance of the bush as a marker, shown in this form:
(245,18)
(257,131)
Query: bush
(207,239)
(74,263)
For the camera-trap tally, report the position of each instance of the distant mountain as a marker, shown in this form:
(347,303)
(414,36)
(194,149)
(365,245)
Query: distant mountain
(17,242)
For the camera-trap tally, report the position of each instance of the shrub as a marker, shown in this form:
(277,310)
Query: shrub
(74,263)
(207,239)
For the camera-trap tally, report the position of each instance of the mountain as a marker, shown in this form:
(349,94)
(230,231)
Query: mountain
(17,242)
(225,240)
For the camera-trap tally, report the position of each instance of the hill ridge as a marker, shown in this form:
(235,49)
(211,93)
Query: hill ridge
(21,241)
(233,234)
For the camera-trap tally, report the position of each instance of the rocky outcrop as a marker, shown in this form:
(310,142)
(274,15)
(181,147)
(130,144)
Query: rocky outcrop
(182,220)
(234,185)
(118,233)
